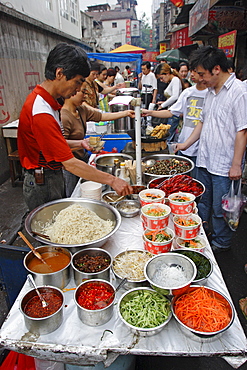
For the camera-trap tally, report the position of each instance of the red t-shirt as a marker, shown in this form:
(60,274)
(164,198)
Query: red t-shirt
(40,137)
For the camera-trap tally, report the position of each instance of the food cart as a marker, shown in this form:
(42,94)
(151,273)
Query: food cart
(76,343)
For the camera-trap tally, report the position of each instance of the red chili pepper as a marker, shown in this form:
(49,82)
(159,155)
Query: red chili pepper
(92,293)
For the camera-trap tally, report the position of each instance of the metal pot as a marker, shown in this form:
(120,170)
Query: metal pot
(105,162)
(57,279)
(43,325)
(125,123)
(80,276)
(94,317)
(129,91)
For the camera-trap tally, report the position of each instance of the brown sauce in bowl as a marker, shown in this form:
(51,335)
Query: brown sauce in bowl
(34,308)
(55,261)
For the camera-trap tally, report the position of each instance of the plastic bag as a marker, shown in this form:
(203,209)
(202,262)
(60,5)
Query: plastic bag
(232,205)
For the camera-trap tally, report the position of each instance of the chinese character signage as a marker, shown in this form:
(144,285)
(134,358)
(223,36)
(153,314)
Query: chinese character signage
(198,16)
(180,38)
(150,56)
(128,31)
(227,43)
(162,47)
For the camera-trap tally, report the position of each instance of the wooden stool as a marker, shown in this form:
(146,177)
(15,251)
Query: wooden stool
(15,167)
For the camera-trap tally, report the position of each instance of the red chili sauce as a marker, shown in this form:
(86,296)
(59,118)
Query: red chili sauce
(91,264)
(92,293)
(34,308)
(178,183)
(55,261)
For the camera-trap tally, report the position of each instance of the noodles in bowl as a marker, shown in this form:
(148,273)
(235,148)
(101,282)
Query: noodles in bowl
(73,222)
(77,224)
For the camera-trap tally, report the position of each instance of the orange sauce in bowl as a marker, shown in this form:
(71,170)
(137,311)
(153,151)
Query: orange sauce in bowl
(55,261)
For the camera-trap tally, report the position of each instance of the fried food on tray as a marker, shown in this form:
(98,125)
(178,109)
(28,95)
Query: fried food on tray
(160,131)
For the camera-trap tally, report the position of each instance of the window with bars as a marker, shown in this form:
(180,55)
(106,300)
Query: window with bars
(64,9)
(74,11)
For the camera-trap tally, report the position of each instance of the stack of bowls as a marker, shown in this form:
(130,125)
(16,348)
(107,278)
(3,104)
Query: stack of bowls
(152,221)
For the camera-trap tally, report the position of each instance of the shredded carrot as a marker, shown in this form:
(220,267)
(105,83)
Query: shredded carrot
(153,233)
(202,311)
(185,221)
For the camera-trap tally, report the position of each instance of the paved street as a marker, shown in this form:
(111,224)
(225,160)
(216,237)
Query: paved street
(231,263)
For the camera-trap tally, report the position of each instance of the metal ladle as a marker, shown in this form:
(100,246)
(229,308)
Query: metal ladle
(30,278)
(104,303)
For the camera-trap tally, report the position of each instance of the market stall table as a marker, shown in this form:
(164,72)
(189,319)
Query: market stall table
(77,343)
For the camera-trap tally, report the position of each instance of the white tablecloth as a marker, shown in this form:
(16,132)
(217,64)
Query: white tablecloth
(77,343)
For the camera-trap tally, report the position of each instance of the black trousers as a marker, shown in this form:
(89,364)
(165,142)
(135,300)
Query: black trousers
(146,99)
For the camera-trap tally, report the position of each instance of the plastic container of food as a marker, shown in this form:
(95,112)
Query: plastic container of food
(181,203)
(151,243)
(197,244)
(155,216)
(151,196)
(187,227)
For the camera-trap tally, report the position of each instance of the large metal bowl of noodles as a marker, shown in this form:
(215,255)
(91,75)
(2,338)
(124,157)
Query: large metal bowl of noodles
(40,216)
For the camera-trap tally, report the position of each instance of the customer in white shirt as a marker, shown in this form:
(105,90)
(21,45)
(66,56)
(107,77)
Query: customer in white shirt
(175,85)
(222,130)
(118,78)
(147,84)
(189,104)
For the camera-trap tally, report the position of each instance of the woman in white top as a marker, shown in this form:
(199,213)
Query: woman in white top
(175,86)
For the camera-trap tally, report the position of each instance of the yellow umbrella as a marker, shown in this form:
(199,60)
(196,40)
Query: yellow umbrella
(129,49)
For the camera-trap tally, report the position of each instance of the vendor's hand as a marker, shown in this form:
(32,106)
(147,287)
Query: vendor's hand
(159,102)
(160,107)
(85,144)
(130,113)
(121,186)
(120,85)
(140,75)
(235,172)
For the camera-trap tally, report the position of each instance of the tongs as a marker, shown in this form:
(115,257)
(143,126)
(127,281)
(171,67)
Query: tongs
(172,173)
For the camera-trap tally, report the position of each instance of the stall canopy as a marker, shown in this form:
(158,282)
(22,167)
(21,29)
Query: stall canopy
(173,55)
(119,58)
(126,48)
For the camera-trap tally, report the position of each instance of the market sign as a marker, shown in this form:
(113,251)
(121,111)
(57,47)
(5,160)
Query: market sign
(180,38)
(177,3)
(227,43)
(128,31)
(150,56)
(223,19)
(162,47)
(198,16)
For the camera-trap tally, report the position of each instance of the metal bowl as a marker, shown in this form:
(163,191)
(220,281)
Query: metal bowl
(94,317)
(43,325)
(58,279)
(45,212)
(152,159)
(105,162)
(128,208)
(155,182)
(80,276)
(225,301)
(199,259)
(108,195)
(126,297)
(170,259)
(131,283)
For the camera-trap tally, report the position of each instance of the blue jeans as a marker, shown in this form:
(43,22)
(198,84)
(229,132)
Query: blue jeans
(210,206)
(173,121)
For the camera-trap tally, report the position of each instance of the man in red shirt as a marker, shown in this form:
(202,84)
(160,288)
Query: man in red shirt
(42,147)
